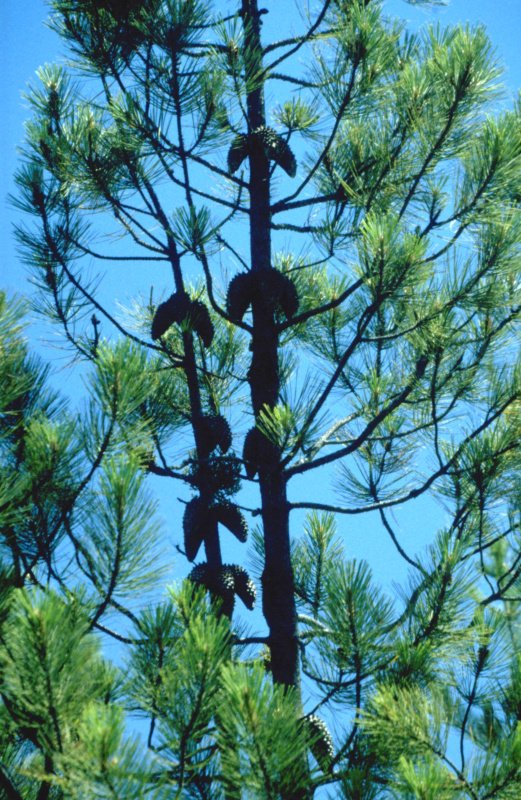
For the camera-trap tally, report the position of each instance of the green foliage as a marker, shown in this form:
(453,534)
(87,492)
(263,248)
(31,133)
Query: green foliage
(262,743)
(120,532)
(376,350)
(48,655)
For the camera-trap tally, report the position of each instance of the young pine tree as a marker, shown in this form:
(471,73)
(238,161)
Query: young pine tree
(330,207)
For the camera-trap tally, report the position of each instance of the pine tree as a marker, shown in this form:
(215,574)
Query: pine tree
(365,333)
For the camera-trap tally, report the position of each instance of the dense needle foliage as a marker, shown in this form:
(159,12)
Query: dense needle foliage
(325,213)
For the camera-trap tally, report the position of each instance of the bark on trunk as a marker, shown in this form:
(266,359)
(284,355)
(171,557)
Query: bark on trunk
(277,580)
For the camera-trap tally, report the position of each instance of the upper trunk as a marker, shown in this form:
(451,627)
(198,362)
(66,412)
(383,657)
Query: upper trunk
(277,580)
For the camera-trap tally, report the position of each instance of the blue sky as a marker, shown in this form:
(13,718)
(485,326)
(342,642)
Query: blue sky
(28,44)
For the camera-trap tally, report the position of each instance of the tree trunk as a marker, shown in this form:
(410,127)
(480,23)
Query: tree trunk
(277,580)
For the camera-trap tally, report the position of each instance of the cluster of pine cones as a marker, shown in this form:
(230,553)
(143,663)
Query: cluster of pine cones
(274,146)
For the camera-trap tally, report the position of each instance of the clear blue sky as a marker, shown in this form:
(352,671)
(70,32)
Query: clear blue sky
(28,44)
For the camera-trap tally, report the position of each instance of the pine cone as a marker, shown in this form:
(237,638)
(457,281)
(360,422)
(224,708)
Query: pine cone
(225,579)
(223,585)
(239,296)
(218,474)
(277,149)
(195,520)
(243,586)
(229,515)
(216,432)
(321,742)
(175,309)
(257,450)
(220,582)
(237,152)
(179,308)
(201,323)
(199,575)
(271,284)
(281,290)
